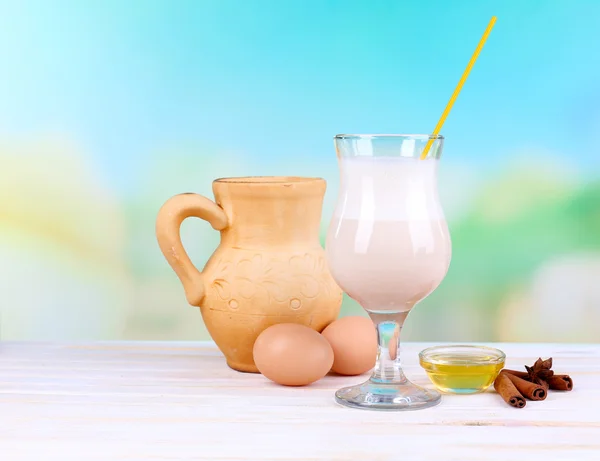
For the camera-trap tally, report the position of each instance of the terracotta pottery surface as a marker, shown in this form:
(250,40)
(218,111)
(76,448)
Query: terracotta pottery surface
(269,267)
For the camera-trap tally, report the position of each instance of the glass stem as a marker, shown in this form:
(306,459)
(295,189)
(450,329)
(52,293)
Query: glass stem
(388,369)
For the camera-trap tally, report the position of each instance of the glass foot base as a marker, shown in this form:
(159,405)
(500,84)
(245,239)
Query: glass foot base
(392,397)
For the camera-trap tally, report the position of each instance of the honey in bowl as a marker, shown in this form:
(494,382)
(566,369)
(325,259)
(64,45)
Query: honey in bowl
(462,369)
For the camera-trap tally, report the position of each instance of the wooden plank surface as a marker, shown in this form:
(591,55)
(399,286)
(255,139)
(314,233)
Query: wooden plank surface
(179,401)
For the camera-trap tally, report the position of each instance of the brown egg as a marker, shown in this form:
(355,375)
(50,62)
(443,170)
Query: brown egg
(354,343)
(292,354)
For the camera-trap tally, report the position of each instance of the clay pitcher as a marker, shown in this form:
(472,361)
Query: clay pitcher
(269,267)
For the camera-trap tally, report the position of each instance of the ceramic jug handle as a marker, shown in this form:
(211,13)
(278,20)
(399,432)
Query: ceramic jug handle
(168,223)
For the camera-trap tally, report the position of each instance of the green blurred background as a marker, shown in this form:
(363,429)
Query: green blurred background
(109,108)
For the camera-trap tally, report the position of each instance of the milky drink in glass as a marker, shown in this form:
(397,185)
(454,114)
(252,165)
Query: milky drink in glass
(388,247)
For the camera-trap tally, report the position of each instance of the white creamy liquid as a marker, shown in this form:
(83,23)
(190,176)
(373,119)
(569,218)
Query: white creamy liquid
(388,244)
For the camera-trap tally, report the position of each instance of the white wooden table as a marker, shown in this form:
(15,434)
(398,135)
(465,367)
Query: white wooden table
(179,401)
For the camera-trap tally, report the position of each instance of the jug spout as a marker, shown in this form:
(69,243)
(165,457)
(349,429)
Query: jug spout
(272,211)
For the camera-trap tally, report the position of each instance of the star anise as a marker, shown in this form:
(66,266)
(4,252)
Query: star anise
(540,371)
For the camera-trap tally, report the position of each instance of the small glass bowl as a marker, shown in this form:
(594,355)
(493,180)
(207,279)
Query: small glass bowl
(462,369)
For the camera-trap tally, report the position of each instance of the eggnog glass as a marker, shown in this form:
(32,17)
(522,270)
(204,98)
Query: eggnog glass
(388,247)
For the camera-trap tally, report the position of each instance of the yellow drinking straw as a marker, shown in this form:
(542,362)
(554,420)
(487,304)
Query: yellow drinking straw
(462,81)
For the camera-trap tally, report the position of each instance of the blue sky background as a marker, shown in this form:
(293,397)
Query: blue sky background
(276,80)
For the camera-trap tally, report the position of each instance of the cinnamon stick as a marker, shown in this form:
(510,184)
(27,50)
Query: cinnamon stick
(508,391)
(560,383)
(532,391)
(520,374)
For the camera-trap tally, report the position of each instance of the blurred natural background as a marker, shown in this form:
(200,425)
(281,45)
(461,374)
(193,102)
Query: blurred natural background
(107,108)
